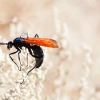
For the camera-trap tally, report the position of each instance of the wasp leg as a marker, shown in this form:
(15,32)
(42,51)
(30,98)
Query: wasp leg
(29,49)
(19,59)
(36,36)
(24,34)
(30,70)
(27,59)
(27,35)
(12,58)
(34,57)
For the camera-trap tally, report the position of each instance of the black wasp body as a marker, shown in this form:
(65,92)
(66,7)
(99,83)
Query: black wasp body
(34,50)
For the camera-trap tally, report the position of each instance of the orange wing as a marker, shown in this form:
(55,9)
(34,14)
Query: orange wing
(42,42)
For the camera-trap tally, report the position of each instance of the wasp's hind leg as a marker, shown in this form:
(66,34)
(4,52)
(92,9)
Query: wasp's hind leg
(38,59)
(31,53)
(27,60)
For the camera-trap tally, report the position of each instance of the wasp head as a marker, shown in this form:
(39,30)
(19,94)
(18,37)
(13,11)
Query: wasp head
(9,45)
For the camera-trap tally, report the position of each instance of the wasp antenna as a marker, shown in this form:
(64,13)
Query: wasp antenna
(3,43)
(36,36)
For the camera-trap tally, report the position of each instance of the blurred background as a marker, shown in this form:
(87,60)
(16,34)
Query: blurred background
(70,72)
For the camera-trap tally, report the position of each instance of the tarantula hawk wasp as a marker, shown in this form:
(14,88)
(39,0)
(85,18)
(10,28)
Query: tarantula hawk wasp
(33,46)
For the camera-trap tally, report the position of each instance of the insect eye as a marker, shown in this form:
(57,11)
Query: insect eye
(9,45)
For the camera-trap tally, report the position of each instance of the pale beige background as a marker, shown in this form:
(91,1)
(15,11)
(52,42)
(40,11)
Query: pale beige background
(75,24)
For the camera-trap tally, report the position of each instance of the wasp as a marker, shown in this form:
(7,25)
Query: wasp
(34,48)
